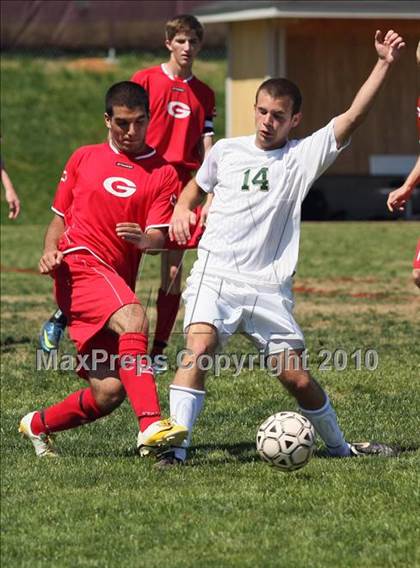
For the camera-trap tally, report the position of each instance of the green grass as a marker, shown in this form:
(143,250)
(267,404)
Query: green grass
(50,107)
(100,505)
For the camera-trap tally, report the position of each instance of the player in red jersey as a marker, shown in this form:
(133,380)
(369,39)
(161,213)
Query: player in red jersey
(114,202)
(398,198)
(181,129)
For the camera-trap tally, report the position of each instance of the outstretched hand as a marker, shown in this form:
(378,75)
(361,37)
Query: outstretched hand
(388,47)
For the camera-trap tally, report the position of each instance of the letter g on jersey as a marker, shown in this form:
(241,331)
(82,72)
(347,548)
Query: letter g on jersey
(178,109)
(119,186)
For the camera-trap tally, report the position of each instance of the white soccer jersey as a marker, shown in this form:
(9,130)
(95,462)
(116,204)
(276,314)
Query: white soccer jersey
(253,228)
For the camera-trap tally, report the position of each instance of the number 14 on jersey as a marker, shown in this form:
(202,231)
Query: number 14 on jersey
(260,180)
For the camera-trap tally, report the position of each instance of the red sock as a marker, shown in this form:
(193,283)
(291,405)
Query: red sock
(139,384)
(167,310)
(78,408)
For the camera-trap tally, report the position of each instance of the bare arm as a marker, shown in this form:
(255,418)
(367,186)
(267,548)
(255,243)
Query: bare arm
(207,143)
(11,195)
(399,197)
(183,215)
(52,257)
(388,49)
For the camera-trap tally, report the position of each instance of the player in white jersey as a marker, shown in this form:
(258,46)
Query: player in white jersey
(242,279)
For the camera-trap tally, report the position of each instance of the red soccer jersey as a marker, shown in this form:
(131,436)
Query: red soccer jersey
(181,110)
(101,187)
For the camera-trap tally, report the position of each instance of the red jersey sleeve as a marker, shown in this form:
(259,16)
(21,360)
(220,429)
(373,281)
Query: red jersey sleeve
(141,78)
(161,209)
(64,193)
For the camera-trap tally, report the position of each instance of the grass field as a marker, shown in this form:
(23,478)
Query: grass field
(100,505)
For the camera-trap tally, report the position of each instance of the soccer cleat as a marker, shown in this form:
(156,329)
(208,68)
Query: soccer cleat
(42,443)
(50,335)
(363,449)
(167,460)
(159,435)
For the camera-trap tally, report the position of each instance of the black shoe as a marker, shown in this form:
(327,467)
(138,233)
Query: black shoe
(362,449)
(167,460)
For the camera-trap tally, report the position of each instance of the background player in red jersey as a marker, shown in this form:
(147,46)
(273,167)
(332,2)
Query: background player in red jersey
(112,203)
(181,129)
(398,198)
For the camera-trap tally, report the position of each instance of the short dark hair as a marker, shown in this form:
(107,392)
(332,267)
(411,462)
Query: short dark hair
(281,87)
(128,94)
(183,23)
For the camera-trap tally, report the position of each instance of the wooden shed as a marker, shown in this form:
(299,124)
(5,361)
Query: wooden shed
(327,48)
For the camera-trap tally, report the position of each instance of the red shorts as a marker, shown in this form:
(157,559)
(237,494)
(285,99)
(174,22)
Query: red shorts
(416,261)
(88,293)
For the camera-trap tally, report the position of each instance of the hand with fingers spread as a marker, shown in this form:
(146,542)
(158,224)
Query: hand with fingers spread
(49,261)
(179,229)
(388,47)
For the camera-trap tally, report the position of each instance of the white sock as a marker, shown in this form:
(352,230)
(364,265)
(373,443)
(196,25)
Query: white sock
(185,406)
(325,422)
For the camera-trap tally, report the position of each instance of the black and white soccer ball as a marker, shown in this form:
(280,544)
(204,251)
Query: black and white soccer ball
(286,440)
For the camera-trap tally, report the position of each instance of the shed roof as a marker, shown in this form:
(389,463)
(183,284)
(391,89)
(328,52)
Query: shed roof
(237,10)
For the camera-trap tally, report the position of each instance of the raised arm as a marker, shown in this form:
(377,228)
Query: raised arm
(183,215)
(388,48)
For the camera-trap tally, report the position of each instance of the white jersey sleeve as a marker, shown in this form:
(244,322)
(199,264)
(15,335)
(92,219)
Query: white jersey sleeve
(207,174)
(317,152)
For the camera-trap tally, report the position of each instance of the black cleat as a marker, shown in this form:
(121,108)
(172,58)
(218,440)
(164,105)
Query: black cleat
(167,460)
(363,449)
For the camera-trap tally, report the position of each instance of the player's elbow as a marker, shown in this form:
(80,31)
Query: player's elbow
(345,125)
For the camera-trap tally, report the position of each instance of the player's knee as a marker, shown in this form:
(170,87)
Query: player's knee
(416,277)
(171,283)
(296,382)
(175,272)
(199,346)
(109,395)
(129,319)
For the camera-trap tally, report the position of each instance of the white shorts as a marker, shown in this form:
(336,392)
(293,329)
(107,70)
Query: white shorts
(260,313)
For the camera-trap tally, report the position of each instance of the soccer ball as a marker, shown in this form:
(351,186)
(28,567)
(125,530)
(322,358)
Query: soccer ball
(286,440)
